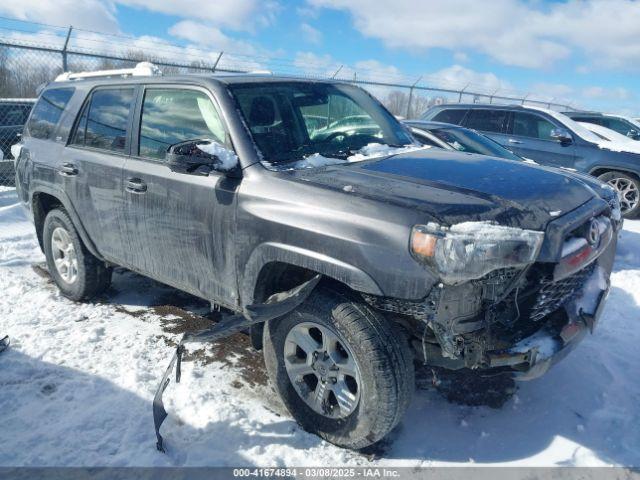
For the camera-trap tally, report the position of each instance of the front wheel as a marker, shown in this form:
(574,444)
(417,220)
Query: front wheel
(342,370)
(628,188)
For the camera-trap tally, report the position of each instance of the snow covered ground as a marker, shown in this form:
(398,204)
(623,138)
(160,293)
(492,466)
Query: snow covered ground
(77,382)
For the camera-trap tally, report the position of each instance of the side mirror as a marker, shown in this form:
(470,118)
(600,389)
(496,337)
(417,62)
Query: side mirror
(561,135)
(200,157)
(634,134)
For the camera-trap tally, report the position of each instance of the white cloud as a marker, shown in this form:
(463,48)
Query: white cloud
(514,32)
(89,14)
(310,34)
(459,77)
(100,14)
(208,36)
(613,93)
(235,14)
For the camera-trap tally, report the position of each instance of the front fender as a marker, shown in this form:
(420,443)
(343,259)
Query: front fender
(270,252)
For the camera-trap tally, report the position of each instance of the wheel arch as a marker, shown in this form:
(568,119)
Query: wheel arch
(600,170)
(43,200)
(272,266)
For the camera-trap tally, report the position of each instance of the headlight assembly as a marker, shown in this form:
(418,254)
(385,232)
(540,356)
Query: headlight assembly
(470,250)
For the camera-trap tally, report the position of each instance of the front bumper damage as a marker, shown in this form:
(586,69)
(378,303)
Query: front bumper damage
(535,355)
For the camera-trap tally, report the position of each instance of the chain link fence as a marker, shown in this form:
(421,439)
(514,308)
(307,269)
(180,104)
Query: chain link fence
(31,58)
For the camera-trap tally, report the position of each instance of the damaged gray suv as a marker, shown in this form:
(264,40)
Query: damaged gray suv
(250,191)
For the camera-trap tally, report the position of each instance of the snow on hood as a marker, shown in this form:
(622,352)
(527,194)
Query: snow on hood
(228,159)
(368,152)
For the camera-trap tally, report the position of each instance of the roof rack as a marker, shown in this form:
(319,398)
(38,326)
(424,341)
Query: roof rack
(142,69)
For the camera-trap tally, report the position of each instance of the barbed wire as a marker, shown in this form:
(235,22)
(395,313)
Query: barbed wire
(80,42)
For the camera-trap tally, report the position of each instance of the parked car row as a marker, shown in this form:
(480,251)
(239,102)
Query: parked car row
(13,115)
(552,138)
(241,189)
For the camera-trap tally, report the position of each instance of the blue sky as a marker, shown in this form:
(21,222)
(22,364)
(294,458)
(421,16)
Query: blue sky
(584,51)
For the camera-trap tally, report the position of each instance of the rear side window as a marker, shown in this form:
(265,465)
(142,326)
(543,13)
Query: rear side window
(48,111)
(533,126)
(171,116)
(104,120)
(454,116)
(487,120)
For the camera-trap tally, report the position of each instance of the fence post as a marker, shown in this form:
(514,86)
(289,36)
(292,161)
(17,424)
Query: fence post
(462,91)
(337,71)
(64,49)
(411,96)
(525,98)
(493,94)
(213,69)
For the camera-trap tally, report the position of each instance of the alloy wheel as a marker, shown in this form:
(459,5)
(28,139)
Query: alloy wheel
(64,255)
(322,370)
(627,192)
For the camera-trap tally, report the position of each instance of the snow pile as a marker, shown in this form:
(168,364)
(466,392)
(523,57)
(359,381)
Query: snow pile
(228,159)
(573,245)
(374,150)
(368,152)
(77,383)
(313,161)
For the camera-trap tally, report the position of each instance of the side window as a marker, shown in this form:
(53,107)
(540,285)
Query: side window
(48,111)
(171,116)
(530,125)
(104,120)
(423,139)
(595,120)
(454,116)
(617,125)
(12,115)
(486,120)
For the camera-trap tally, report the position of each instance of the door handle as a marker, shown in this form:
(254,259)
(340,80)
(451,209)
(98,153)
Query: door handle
(68,170)
(135,185)
(514,141)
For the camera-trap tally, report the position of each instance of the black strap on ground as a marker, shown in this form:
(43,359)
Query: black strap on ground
(4,343)
(276,306)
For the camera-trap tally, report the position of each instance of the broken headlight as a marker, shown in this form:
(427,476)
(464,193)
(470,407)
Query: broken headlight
(470,250)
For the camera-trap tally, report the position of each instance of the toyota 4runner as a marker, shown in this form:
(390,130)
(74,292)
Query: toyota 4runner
(237,188)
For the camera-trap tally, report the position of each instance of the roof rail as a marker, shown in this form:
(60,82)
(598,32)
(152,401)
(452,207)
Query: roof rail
(142,69)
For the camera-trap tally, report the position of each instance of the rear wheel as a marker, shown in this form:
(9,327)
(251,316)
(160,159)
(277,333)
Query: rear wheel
(77,273)
(628,188)
(342,370)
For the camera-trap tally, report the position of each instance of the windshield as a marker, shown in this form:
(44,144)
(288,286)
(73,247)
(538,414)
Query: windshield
(473,142)
(293,121)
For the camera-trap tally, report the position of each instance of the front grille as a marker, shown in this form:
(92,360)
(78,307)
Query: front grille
(552,295)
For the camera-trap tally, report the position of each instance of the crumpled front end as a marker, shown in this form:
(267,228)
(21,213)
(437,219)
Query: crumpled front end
(519,319)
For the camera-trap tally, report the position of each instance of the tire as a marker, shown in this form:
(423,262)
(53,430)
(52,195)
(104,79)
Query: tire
(628,187)
(91,275)
(385,373)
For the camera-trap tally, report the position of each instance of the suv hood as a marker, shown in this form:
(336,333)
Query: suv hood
(453,187)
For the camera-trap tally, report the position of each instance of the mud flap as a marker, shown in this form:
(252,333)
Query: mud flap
(276,306)
(4,343)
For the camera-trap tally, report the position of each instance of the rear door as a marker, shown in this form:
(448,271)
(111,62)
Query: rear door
(92,166)
(529,135)
(180,226)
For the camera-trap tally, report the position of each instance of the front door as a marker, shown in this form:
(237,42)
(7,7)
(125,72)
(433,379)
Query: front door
(180,226)
(529,135)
